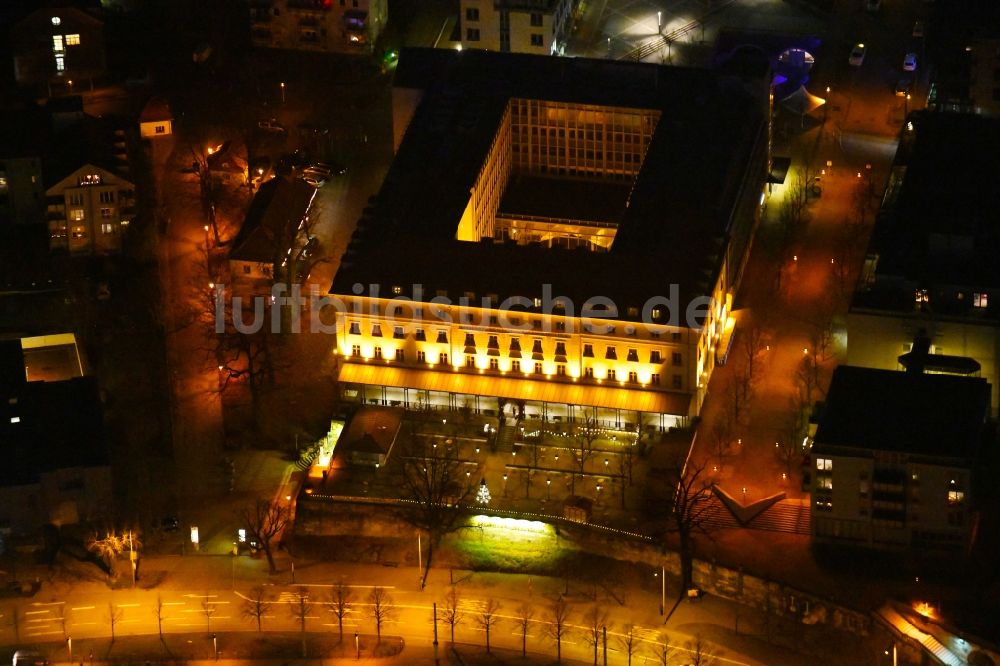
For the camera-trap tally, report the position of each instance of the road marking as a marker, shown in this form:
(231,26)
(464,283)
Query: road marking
(40,619)
(80,624)
(128,605)
(83,608)
(47,603)
(35,612)
(174,603)
(201,596)
(44,633)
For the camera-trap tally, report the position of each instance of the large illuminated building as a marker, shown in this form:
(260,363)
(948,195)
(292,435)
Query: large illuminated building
(522,188)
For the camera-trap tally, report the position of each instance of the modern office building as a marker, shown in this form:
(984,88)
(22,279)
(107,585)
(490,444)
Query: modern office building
(333,26)
(516,26)
(931,273)
(901,475)
(542,231)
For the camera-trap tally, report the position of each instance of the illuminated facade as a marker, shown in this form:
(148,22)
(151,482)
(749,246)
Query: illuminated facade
(901,476)
(545,249)
(88,211)
(516,26)
(337,26)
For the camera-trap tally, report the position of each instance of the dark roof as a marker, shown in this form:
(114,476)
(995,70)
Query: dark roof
(887,410)
(96,141)
(939,229)
(274,215)
(61,425)
(366,444)
(673,225)
(156,109)
(586,200)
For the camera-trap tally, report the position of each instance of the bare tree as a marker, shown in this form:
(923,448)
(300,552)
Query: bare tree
(382,608)
(721,439)
(451,613)
(522,616)
(754,341)
(662,650)
(339,604)
(692,494)
(435,482)
(583,449)
(629,642)
(208,609)
(264,520)
(160,614)
(595,620)
(701,653)
(107,549)
(63,617)
(487,618)
(255,606)
(300,609)
(558,627)
(115,615)
(15,622)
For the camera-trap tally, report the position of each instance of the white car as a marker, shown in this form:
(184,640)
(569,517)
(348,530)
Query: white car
(857,55)
(910,62)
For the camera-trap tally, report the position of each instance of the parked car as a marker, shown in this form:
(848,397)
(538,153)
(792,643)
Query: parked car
(873,5)
(170,524)
(270,125)
(903,87)
(315,180)
(857,55)
(918,29)
(910,62)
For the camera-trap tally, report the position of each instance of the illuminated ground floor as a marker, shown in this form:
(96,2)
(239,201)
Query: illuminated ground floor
(545,401)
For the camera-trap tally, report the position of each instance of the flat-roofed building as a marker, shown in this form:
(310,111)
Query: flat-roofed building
(898,475)
(542,231)
(931,273)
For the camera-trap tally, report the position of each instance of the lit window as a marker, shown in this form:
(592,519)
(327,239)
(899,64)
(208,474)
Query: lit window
(57,43)
(56,20)
(494,364)
(824,464)
(633,376)
(397,290)
(378,352)
(538,302)
(15,419)
(956,498)
(76,214)
(72,40)
(355,350)
(825,481)
(60,64)
(980,300)
(612,374)
(470,361)
(107,228)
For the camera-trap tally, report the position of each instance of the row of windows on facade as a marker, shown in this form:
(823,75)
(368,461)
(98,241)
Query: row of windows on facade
(979,299)
(472,14)
(824,482)
(573,153)
(470,297)
(61,231)
(472,35)
(493,345)
(515,366)
(598,134)
(106,196)
(292,5)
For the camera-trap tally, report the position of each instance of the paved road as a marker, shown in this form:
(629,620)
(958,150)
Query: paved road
(193,601)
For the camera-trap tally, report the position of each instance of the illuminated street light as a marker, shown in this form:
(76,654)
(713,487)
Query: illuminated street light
(548,489)
(282,92)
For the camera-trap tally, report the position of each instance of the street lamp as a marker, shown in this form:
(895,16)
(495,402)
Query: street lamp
(548,489)
(663,587)
(282,92)
(906,106)
(659,22)
(215,647)
(357,646)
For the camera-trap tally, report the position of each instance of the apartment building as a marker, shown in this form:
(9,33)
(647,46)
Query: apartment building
(88,210)
(902,475)
(516,26)
(331,26)
(58,46)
